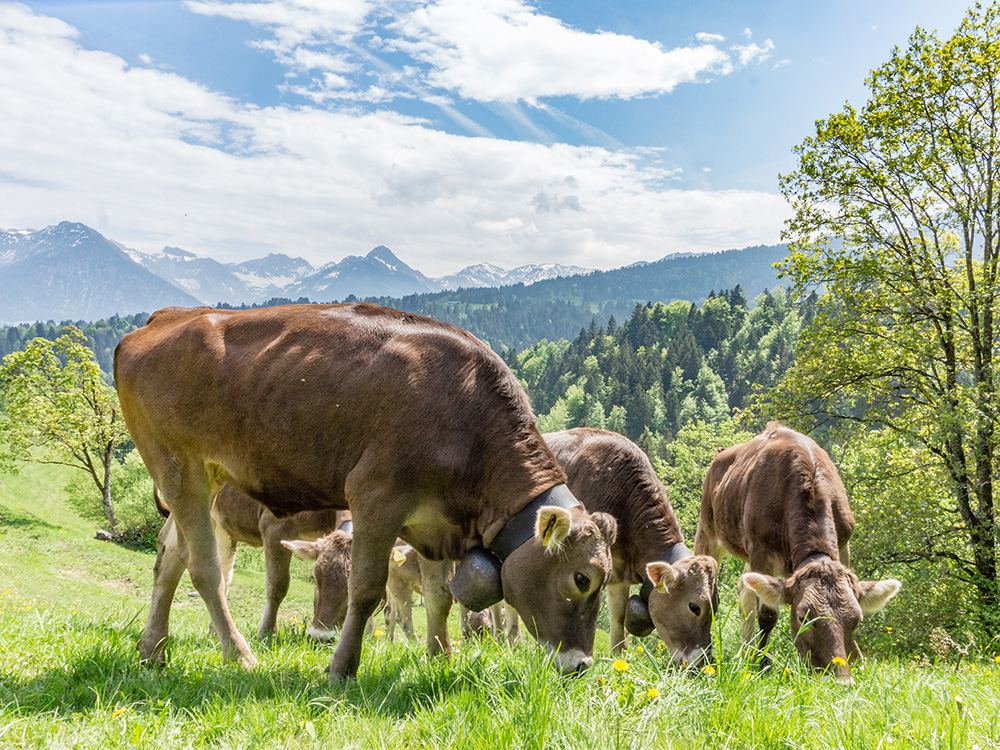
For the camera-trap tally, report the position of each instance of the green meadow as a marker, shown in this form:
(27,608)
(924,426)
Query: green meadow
(72,608)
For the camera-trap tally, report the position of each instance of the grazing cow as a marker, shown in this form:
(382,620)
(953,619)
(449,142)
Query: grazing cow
(610,473)
(777,502)
(414,425)
(238,519)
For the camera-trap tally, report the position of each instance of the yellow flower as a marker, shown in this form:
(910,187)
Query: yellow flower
(652,693)
(708,669)
(638,649)
(747,676)
(620,666)
(997,659)
(661,645)
(377,634)
(838,661)
(118,712)
(888,629)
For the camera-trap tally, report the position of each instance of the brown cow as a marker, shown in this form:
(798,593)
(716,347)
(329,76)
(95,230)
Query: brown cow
(238,518)
(610,473)
(777,502)
(414,425)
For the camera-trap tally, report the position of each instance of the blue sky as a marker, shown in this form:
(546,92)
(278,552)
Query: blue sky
(453,131)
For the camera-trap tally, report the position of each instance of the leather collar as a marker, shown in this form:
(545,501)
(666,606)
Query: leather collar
(675,553)
(521,527)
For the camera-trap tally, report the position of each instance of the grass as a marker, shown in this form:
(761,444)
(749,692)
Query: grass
(72,608)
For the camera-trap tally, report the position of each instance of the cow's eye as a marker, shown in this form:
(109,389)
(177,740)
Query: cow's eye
(695,608)
(582,581)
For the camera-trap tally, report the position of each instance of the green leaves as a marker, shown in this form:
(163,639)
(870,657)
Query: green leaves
(897,223)
(58,408)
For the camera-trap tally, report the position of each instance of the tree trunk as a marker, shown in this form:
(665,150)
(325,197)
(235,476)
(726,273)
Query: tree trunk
(109,509)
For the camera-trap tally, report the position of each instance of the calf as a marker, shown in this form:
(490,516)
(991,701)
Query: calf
(408,572)
(610,473)
(413,425)
(238,518)
(777,502)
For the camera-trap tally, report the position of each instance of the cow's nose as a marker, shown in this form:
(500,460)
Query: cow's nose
(572,663)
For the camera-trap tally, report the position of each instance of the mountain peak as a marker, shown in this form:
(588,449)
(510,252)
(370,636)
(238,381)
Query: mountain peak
(381,252)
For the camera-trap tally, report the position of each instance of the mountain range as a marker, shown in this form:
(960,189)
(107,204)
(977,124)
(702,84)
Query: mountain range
(71,272)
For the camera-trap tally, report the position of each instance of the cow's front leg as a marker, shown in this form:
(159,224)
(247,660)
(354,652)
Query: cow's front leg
(617,602)
(373,540)
(171,562)
(512,624)
(434,575)
(748,610)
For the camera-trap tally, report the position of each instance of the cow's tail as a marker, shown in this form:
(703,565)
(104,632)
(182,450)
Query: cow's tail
(160,505)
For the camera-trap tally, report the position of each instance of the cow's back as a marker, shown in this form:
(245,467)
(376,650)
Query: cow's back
(607,472)
(284,401)
(776,497)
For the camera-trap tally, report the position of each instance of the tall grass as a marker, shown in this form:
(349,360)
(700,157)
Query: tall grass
(72,608)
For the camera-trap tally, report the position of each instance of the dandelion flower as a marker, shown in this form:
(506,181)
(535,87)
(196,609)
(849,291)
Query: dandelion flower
(377,634)
(888,629)
(997,659)
(838,661)
(708,669)
(620,665)
(652,693)
(747,676)
(638,649)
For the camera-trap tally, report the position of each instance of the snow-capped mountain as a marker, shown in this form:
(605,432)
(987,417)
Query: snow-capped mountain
(487,274)
(378,274)
(71,272)
(269,276)
(234,283)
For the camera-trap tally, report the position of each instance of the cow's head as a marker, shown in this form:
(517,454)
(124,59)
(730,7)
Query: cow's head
(554,581)
(681,605)
(827,604)
(331,558)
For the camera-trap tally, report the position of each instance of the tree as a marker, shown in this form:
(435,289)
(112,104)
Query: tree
(59,410)
(897,217)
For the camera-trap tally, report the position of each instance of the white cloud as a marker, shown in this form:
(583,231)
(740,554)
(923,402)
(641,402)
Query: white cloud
(753,53)
(487,51)
(493,51)
(152,159)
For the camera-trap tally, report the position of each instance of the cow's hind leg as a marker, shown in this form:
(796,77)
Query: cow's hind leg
(189,501)
(171,562)
(277,562)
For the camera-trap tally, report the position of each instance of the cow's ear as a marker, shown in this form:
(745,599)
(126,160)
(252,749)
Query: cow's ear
(608,526)
(774,592)
(662,575)
(302,550)
(552,526)
(873,595)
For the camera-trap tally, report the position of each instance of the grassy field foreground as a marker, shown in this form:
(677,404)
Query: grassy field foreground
(72,608)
